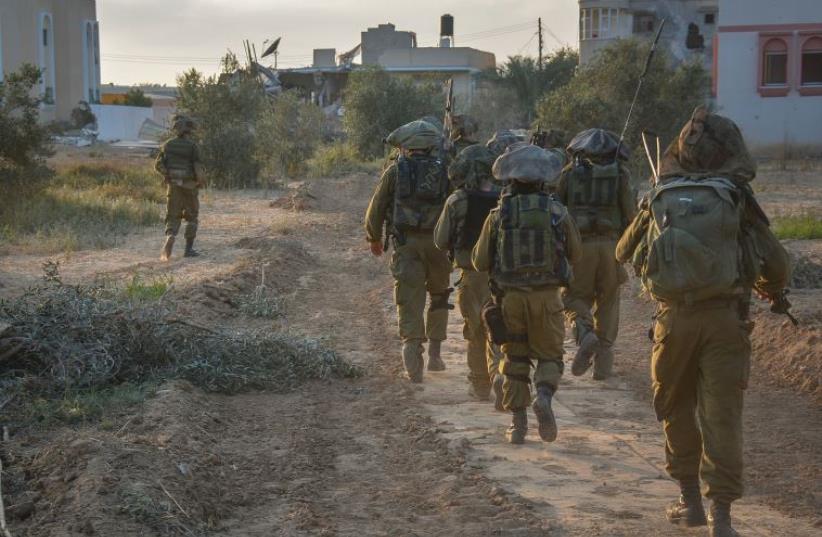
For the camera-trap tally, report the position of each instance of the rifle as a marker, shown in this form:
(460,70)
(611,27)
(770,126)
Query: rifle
(782,305)
(448,119)
(639,85)
(540,137)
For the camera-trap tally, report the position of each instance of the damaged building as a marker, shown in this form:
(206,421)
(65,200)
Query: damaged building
(398,53)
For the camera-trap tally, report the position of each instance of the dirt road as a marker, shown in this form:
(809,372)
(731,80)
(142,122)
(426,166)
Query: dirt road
(375,456)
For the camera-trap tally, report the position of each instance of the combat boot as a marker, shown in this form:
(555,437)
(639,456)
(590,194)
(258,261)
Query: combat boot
(435,362)
(412,360)
(588,344)
(688,510)
(519,427)
(719,521)
(165,254)
(479,393)
(190,251)
(496,389)
(603,362)
(545,414)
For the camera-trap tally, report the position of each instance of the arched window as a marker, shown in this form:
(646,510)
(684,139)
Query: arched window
(46,47)
(811,70)
(775,63)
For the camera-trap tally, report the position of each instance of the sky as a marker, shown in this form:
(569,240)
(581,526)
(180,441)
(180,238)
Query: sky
(155,40)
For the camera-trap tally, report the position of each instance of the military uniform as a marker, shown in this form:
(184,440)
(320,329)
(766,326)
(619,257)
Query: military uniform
(179,163)
(526,244)
(419,268)
(701,352)
(598,195)
(457,231)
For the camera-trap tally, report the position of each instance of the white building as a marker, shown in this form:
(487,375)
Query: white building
(769,73)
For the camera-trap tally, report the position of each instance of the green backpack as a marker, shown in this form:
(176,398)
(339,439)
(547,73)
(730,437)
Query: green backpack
(593,198)
(420,193)
(530,246)
(693,247)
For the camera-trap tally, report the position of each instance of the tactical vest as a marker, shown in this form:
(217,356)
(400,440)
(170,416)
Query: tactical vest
(593,198)
(530,243)
(179,158)
(479,205)
(696,248)
(420,193)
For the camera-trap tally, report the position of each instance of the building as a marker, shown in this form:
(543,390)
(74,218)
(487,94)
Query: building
(62,38)
(769,74)
(688,33)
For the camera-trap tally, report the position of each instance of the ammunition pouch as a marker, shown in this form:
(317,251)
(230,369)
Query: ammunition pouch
(440,301)
(494,322)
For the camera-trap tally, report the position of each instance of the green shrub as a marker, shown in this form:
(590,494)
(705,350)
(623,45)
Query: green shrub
(139,289)
(804,226)
(338,159)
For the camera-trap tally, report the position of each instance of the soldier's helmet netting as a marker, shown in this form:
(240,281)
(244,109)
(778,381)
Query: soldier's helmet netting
(529,164)
(433,120)
(418,134)
(182,124)
(709,144)
(471,167)
(502,140)
(598,145)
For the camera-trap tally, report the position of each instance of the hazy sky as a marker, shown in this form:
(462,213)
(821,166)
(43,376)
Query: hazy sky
(154,40)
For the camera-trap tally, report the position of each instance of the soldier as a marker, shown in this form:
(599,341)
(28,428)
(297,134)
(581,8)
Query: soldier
(408,201)
(526,244)
(595,187)
(179,164)
(701,243)
(502,140)
(457,231)
(463,131)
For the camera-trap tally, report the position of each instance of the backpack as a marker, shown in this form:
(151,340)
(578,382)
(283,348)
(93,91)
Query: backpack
(694,247)
(420,193)
(478,207)
(179,158)
(530,243)
(593,197)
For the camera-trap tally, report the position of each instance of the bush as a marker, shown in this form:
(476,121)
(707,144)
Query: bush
(376,103)
(601,92)
(135,97)
(804,227)
(338,159)
(288,132)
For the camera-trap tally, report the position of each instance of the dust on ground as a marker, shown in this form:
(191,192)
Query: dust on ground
(374,456)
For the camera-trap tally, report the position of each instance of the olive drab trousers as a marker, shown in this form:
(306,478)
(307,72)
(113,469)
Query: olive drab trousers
(182,204)
(483,356)
(536,330)
(421,269)
(700,367)
(596,283)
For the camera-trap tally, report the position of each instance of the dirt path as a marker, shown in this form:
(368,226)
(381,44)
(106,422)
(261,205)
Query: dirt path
(369,457)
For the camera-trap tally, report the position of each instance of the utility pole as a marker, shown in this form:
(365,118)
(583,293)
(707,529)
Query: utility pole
(541,42)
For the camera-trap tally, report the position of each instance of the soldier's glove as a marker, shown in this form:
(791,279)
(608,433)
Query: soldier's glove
(376,248)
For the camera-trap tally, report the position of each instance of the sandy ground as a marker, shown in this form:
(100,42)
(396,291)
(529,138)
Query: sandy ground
(375,456)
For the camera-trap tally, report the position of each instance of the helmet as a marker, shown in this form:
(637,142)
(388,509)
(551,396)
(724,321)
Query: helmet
(597,144)
(433,120)
(528,164)
(472,166)
(463,126)
(501,140)
(418,134)
(182,124)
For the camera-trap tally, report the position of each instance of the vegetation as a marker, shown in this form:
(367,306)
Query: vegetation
(806,226)
(376,103)
(85,206)
(135,97)
(600,95)
(243,134)
(339,158)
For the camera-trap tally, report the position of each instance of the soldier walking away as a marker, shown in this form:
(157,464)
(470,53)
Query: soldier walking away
(407,203)
(457,231)
(595,186)
(527,244)
(179,164)
(701,244)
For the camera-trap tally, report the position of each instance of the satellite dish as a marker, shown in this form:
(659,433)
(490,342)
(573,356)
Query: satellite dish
(272,49)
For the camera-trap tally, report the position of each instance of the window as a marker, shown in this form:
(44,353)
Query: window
(775,63)
(812,62)
(644,23)
(598,23)
(710,18)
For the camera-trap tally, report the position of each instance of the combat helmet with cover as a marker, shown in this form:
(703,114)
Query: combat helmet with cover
(593,183)
(470,171)
(422,182)
(697,246)
(182,124)
(501,140)
(529,240)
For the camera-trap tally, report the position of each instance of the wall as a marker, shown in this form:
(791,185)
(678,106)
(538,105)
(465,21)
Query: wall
(385,36)
(460,57)
(776,126)
(21,35)
(120,122)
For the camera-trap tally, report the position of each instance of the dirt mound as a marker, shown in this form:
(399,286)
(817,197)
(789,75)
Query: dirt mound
(807,273)
(299,199)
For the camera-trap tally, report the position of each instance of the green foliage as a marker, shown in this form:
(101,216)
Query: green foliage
(243,134)
(804,226)
(85,206)
(139,289)
(376,103)
(24,142)
(135,97)
(86,406)
(338,159)
(601,92)
(262,303)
